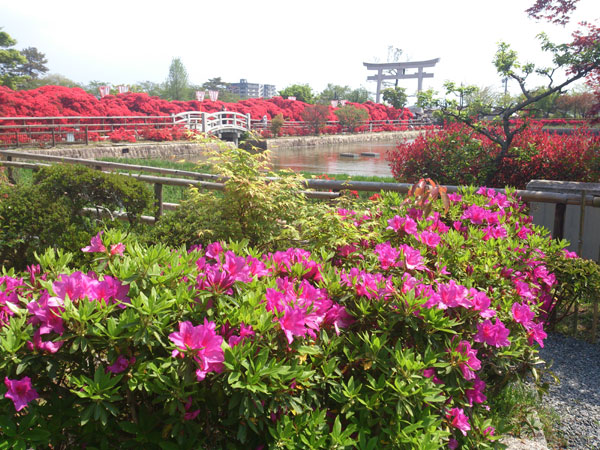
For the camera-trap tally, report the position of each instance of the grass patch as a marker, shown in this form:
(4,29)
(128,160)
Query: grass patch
(520,411)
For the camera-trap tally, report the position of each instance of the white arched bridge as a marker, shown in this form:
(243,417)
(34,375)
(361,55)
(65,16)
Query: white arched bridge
(228,125)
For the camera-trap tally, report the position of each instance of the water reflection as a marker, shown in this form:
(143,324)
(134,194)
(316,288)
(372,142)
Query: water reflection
(328,159)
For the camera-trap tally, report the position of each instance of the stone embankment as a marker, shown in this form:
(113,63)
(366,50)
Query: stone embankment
(340,139)
(174,150)
(137,150)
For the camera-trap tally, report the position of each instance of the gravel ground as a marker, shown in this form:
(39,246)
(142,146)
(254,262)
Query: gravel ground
(576,398)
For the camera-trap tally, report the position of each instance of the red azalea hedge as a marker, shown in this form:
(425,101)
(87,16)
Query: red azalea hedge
(55,101)
(458,155)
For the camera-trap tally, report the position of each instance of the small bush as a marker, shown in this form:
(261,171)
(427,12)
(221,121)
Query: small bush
(82,187)
(276,124)
(250,207)
(48,213)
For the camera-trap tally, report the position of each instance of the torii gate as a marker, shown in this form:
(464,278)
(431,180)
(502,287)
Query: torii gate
(400,68)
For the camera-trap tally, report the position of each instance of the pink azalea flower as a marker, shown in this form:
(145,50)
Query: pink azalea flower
(45,346)
(452,295)
(430,373)
(406,224)
(120,364)
(489,431)
(430,239)
(475,394)
(452,444)
(492,334)
(117,249)
(96,245)
(76,286)
(203,343)
(387,255)
(245,331)
(458,420)
(293,322)
(472,363)
(522,313)
(535,332)
(524,290)
(481,303)
(46,312)
(454,197)
(237,267)
(20,392)
(339,317)
(413,260)
(214,250)
(569,254)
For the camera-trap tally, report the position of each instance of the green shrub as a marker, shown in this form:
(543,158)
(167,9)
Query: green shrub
(84,187)
(351,117)
(577,283)
(48,213)
(251,207)
(276,124)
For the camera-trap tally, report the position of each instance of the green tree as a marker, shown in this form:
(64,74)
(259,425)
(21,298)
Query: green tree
(149,87)
(302,92)
(351,117)
(10,61)
(360,95)
(177,85)
(544,107)
(334,92)
(427,99)
(52,79)
(395,96)
(215,84)
(315,116)
(36,63)
(277,123)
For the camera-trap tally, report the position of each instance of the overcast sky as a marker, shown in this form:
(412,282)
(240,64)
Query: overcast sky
(277,42)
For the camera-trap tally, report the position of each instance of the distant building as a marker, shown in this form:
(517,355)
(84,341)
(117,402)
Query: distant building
(252,90)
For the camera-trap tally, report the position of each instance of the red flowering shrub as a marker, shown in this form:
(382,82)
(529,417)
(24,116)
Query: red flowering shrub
(457,155)
(53,101)
(122,135)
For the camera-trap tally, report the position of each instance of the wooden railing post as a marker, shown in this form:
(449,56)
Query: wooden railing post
(158,202)
(559,221)
(86,136)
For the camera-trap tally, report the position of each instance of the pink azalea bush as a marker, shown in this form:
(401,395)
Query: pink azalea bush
(392,329)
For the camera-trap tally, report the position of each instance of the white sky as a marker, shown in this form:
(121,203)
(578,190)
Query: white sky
(277,42)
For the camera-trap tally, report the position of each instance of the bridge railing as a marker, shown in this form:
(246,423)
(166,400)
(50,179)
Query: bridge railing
(216,121)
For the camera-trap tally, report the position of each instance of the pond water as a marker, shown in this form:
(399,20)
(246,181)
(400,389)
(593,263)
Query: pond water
(329,159)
